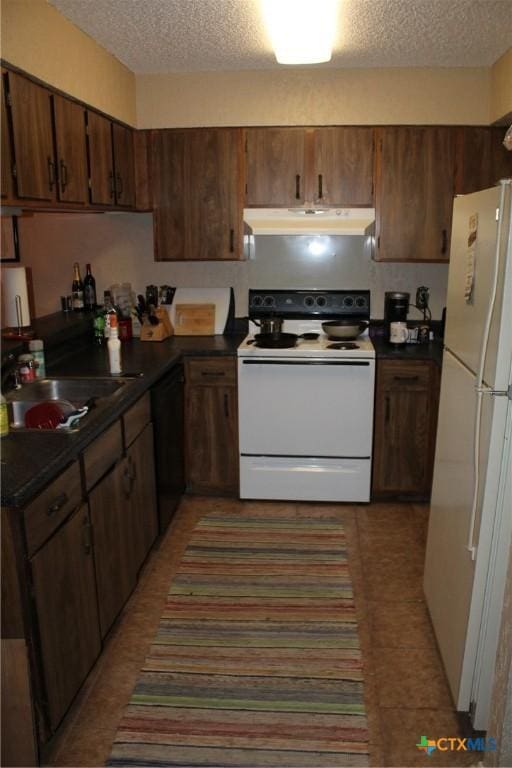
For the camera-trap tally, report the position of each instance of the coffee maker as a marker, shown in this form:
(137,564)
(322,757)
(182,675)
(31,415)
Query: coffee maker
(396,308)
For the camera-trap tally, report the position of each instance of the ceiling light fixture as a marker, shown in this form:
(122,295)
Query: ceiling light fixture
(301,31)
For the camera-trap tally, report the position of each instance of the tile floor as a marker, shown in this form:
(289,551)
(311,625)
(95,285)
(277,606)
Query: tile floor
(406,692)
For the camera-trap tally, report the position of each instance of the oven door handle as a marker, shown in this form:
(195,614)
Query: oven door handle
(307,362)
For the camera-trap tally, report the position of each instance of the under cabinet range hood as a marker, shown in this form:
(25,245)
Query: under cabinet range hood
(310,221)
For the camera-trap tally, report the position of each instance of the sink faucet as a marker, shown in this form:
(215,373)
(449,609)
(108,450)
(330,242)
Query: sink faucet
(10,374)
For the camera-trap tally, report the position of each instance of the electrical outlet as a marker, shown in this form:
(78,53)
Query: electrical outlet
(422,297)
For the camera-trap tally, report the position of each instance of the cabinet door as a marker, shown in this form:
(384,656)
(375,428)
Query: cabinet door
(405,424)
(67,612)
(214,193)
(143,523)
(101,160)
(168,177)
(124,165)
(343,167)
(482,160)
(109,503)
(211,434)
(5,159)
(414,193)
(30,106)
(71,150)
(275,166)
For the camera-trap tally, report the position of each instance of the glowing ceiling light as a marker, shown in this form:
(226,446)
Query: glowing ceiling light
(301,31)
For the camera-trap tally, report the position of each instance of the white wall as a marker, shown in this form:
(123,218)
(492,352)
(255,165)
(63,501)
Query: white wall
(120,249)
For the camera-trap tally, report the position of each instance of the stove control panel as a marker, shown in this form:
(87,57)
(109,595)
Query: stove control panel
(298,304)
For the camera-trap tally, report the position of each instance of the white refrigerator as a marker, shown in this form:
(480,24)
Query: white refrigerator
(470,524)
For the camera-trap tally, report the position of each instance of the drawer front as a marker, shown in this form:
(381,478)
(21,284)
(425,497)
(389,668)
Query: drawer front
(52,506)
(410,374)
(102,454)
(136,419)
(211,371)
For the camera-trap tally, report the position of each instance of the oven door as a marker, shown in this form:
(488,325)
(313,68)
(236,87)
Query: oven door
(306,407)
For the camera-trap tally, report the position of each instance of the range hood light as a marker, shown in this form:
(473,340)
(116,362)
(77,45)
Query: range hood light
(301,31)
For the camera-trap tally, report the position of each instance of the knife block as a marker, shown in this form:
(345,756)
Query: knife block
(158,332)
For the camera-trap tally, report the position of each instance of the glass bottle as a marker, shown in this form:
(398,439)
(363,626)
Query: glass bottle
(89,290)
(77,289)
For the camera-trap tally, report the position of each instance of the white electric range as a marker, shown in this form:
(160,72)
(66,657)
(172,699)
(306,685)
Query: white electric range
(306,412)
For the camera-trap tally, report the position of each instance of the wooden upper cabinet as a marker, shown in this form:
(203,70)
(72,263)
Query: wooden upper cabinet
(482,160)
(213,162)
(275,167)
(6,158)
(415,170)
(71,150)
(101,160)
(168,180)
(124,165)
(30,106)
(342,167)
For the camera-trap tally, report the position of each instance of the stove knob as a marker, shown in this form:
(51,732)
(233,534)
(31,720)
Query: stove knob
(309,301)
(360,301)
(257,301)
(348,301)
(269,301)
(321,301)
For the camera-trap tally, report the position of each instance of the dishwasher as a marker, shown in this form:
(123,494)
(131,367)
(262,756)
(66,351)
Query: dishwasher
(167,405)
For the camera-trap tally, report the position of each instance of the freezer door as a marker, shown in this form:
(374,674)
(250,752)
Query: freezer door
(465,319)
(449,568)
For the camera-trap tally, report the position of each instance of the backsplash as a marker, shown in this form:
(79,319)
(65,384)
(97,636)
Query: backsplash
(119,246)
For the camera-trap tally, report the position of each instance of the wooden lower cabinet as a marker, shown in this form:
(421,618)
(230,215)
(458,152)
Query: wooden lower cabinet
(142,498)
(406,404)
(211,426)
(67,612)
(116,573)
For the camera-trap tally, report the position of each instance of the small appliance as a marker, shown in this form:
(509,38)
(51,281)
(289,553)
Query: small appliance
(396,308)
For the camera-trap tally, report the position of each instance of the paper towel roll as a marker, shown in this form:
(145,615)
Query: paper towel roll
(14,283)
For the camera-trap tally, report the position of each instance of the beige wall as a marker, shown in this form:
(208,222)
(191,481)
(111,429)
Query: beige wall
(39,40)
(501,88)
(314,96)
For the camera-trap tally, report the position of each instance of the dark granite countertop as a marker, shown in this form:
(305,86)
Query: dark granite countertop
(386,351)
(30,460)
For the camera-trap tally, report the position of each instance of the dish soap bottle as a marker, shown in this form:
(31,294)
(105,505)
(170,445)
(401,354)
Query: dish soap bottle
(114,347)
(36,348)
(4,417)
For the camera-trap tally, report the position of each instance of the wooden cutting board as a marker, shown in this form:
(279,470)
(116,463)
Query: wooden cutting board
(194,320)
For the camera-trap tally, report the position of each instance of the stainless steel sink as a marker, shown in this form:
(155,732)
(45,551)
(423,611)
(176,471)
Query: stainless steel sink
(69,393)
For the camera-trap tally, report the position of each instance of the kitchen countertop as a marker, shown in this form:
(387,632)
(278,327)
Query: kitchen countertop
(386,351)
(30,460)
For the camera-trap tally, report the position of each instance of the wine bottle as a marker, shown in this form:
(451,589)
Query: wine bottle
(77,289)
(89,290)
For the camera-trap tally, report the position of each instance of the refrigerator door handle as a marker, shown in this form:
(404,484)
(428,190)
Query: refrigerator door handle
(496,392)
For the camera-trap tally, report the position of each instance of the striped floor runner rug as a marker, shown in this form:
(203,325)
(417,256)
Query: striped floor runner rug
(256,661)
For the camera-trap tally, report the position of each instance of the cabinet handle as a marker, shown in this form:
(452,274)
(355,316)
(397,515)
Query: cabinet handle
(226,406)
(51,172)
(387,409)
(444,241)
(63,175)
(59,502)
(406,378)
(213,373)
(87,537)
(112,184)
(320,186)
(297,186)
(119,183)
(231,240)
